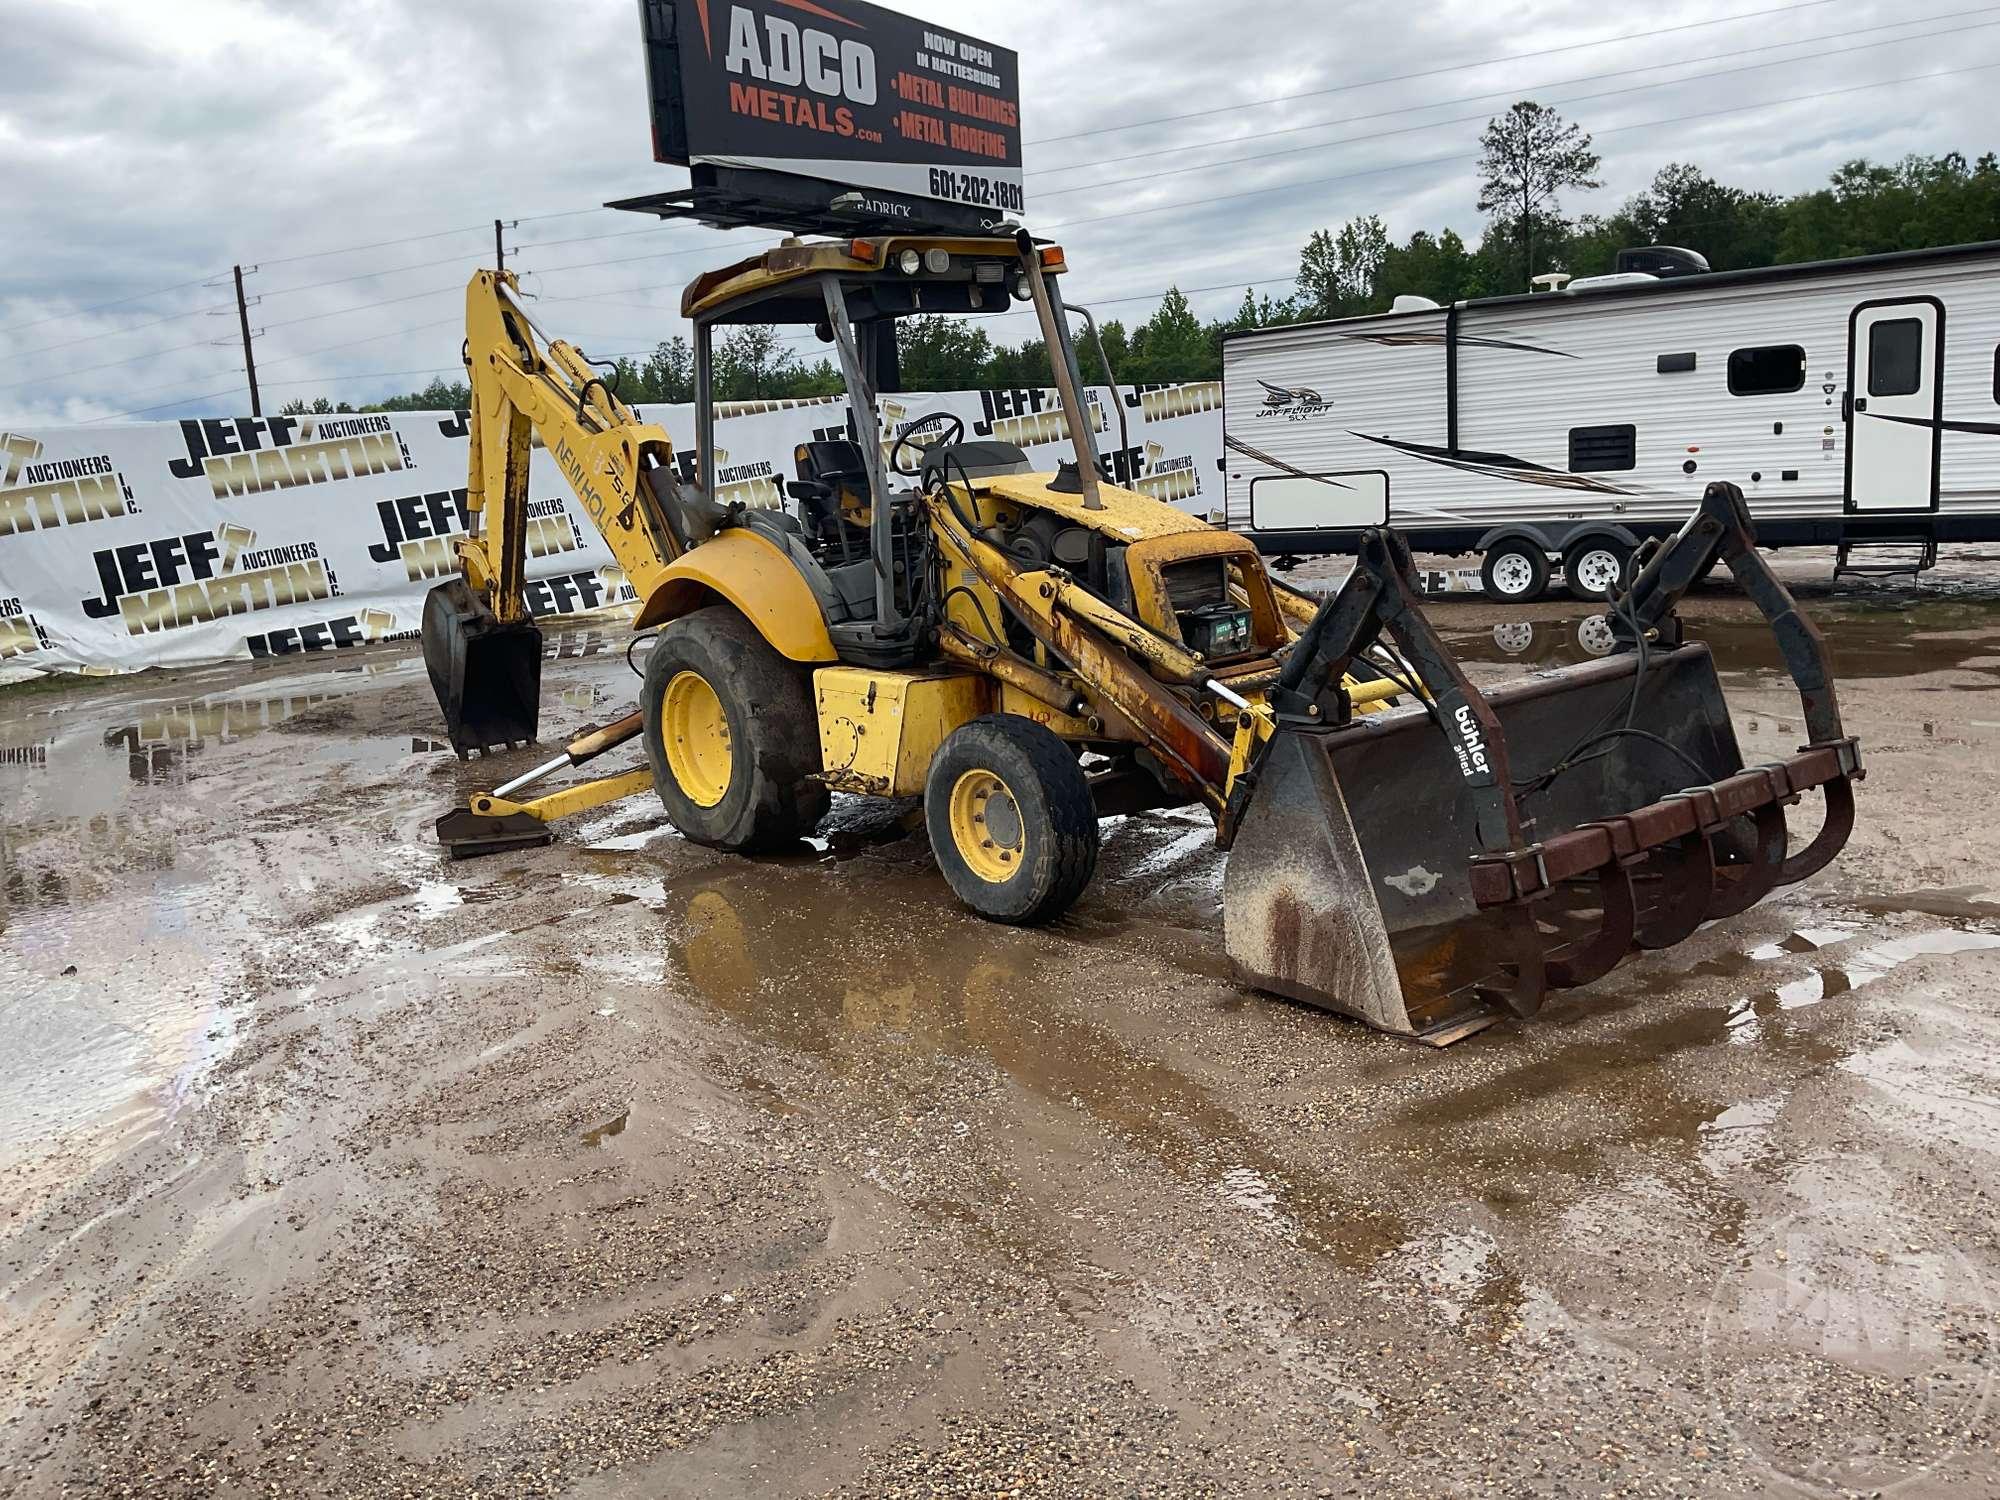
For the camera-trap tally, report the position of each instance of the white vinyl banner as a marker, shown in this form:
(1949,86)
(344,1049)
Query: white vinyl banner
(173,543)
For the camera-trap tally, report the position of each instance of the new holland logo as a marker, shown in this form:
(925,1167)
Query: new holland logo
(176,581)
(60,492)
(1291,402)
(255,455)
(20,632)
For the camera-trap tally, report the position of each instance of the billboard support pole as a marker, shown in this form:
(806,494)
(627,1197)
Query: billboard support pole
(249,359)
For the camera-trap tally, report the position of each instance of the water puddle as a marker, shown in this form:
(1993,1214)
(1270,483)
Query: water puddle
(1850,973)
(864,982)
(1958,902)
(1456,1272)
(1739,1135)
(1932,637)
(597,1135)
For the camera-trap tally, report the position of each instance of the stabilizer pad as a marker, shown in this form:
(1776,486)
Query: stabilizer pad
(465,834)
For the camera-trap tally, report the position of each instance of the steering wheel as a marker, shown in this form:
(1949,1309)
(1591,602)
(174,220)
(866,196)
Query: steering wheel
(923,427)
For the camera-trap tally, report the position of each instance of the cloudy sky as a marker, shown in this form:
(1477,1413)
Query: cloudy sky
(356,152)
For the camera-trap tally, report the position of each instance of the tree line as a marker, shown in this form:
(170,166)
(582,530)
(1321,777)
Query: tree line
(1530,156)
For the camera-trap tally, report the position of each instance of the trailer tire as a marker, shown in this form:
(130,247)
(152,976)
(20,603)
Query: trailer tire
(732,734)
(1011,819)
(1516,571)
(1596,567)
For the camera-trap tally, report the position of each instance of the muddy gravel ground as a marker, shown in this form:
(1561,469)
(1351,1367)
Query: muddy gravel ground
(622,1168)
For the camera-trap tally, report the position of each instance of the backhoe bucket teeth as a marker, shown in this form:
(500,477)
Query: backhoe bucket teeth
(487,673)
(1356,880)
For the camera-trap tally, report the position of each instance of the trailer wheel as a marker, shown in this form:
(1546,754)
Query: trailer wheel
(732,734)
(1515,571)
(1011,819)
(1595,568)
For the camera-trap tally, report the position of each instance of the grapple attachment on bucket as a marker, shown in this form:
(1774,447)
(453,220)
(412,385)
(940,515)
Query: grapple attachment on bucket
(487,672)
(1418,867)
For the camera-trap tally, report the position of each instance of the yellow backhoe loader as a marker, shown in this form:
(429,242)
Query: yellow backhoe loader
(1030,652)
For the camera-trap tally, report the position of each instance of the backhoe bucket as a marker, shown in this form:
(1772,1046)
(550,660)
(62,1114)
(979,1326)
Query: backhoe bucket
(1357,881)
(487,673)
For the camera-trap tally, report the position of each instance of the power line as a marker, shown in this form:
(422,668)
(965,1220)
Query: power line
(91,338)
(1044,140)
(1638,88)
(341,312)
(287,359)
(1286,187)
(422,265)
(411,239)
(1488,62)
(1523,90)
(408,239)
(82,312)
(369,375)
(662,255)
(109,364)
(140,411)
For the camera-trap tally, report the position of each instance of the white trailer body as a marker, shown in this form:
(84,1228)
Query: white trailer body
(1854,401)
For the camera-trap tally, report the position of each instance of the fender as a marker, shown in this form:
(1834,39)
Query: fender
(753,574)
(1557,537)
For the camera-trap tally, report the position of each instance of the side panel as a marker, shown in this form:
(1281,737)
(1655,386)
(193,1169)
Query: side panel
(1299,408)
(1348,501)
(1532,371)
(753,575)
(879,731)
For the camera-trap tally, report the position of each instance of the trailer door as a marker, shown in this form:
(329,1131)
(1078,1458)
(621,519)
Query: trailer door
(1895,393)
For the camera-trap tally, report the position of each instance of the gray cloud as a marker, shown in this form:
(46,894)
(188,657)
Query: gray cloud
(145,145)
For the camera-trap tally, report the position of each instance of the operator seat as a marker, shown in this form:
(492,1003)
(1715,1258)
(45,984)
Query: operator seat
(832,473)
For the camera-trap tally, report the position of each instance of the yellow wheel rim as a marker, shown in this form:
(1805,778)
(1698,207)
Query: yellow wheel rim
(696,733)
(986,826)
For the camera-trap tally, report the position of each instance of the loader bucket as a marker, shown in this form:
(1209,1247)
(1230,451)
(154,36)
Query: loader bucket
(487,673)
(1356,880)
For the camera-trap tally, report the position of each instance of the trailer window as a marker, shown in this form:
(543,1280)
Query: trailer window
(1768,370)
(1895,357)
(1598,450)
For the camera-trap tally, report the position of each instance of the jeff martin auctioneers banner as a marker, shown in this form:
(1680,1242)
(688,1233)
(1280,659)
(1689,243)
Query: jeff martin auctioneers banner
(173,543)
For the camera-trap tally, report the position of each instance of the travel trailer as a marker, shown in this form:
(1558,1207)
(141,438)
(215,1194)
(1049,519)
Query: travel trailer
(1857,402)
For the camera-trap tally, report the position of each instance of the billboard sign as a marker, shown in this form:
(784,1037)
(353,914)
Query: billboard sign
(922,122)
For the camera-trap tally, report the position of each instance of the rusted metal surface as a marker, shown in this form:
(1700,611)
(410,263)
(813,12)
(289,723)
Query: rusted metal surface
(1527,839)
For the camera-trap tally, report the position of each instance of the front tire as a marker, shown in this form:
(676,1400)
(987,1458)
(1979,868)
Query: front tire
(1515,572)
(732,734)
(1011,819)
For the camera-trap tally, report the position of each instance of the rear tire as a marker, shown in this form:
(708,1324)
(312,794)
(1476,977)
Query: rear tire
(1515,572)
(1596,567)
(732,734)
(1011,819)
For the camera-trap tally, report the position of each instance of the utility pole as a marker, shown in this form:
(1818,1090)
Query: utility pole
(249,359)
(499,248)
